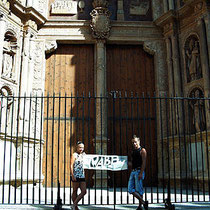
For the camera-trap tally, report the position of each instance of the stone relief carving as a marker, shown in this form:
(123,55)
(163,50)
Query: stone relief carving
(64,7)
(37,90)
(100,23)
(9,52)
(42,6)
(197,111)
(139,7)
(50,46)
(192,59)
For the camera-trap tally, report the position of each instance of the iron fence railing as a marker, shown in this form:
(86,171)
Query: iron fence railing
(38,134)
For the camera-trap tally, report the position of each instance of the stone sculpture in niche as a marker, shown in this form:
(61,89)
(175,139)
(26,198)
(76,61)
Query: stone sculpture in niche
(139,7)
(192,57)
(197,110)
(9,51)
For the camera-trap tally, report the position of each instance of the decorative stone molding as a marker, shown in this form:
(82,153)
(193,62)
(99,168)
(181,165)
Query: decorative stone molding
(5,3)
(100,23)
(150,47)
(32,24)
(50,46)
(198,7)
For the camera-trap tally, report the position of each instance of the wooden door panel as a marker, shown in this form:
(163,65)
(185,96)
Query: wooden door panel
(130,72)
(69,72)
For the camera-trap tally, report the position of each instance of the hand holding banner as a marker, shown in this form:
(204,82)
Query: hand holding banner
(105,162)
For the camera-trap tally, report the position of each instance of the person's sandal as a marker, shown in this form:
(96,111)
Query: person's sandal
(146,204)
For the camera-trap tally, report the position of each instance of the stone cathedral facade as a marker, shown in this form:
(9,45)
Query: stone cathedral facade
(98,41)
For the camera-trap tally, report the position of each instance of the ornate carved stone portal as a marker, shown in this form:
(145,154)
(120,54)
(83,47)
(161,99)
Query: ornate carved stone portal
(100,23)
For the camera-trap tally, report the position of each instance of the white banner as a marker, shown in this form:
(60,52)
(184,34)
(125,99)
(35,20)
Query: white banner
(105,162)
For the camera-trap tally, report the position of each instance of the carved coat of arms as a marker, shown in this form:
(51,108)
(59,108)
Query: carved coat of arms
(100,23)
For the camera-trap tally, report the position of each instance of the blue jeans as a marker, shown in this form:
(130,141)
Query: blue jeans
(134,184)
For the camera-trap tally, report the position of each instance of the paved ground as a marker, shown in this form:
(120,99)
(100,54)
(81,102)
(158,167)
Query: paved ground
(178,206)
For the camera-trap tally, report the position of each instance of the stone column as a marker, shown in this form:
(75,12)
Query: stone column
(177,84)
(100,25)
(205,65)
(170,67)
(2,33)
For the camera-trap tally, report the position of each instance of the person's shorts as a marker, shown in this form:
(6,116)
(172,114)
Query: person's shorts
(134,184)
(78,179)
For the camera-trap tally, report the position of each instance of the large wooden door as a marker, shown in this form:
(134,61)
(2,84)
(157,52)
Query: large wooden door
(69,72)
(130,71)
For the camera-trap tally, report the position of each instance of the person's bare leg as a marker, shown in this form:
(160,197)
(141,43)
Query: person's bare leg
(74,194)
(81,195)
(139,197)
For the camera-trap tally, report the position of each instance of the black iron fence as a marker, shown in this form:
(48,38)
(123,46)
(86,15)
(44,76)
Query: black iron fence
(38,134)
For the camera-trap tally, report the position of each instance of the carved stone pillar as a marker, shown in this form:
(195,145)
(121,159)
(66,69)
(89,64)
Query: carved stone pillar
(100,25)
(170,67)
(177,84)
(205,65)
(2,33)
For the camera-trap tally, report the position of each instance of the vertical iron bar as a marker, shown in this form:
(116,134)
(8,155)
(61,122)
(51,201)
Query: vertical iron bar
(162,148)
(17,130)
(126,134)
(28,152)
(150,140)
(191,165)
(89,100)
(95,98)
(11,141)
(207,147)
(120,114)
(58,163)
(46,149)
(107,141)
(71,138)
(53,118)
(180,147)
(101,114)
(114,145)
(83,126)
(144,135)
(23,134)
(173,139)
(185,147)
(34,160)
(155,99)
(64,192)
(196,153)
(5,139)
(40,148)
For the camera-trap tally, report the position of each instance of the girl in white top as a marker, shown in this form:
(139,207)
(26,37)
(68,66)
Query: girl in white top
(78,174)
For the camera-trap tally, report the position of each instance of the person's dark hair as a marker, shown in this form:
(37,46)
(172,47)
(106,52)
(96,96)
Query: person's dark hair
(79,142)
